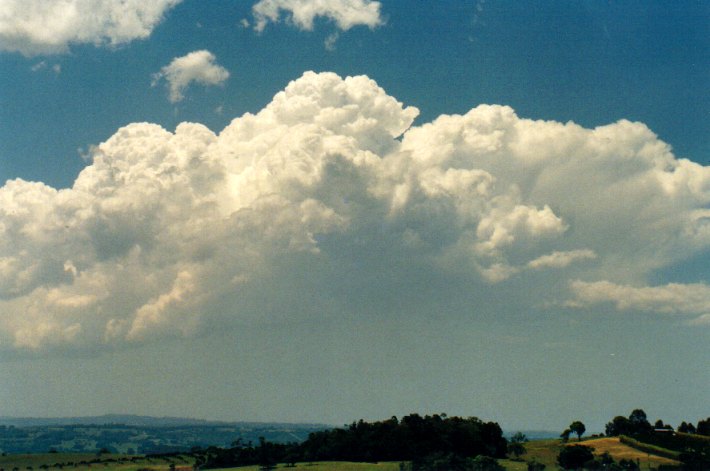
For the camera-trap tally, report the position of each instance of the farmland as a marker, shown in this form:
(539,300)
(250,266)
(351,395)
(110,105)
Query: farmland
(138,435)
(543,451)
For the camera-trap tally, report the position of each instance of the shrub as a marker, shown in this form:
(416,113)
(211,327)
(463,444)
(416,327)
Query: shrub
(535,466)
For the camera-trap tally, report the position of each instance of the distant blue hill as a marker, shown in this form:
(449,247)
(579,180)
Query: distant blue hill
(133,434)
(137,421)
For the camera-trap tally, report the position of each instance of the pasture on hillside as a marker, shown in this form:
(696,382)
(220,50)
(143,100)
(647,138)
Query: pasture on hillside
(546,451)
(619,451)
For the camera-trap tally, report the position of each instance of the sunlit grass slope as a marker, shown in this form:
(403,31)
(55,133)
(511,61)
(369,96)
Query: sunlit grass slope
(546,451)
(620,451)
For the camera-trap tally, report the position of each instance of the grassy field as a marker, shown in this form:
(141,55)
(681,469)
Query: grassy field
(546,451)
(620,451)
(89,462)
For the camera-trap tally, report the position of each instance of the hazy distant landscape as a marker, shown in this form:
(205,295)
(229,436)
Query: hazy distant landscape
(412,443)
(134,434)
(131,434)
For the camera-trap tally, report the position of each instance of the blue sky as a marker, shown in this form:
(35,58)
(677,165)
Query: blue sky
(335,253)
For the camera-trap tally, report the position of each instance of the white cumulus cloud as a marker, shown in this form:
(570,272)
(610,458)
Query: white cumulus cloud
(34,27)
(302,13)
(197,66)
(329,202)
(673,298)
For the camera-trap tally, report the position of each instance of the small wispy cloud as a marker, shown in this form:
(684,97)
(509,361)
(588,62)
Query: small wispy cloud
(330,41)
(198,67)
(42,65)
(691,300)
(478,11)
(561,259)
(302,13)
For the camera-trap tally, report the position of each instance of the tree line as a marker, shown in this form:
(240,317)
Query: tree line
(413,439)
(637,424)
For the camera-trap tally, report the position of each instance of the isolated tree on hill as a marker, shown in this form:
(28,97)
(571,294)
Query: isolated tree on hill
(578,428)
(639,422)
(565,435)
(515,445)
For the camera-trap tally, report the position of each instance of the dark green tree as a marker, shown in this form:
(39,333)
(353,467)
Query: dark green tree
(619,426)
(575,456)
(266,460)
(703,427)
(639,422)
(578,428)
(565,435)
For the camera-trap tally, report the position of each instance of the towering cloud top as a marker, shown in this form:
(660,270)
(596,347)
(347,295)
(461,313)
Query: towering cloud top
(329,194)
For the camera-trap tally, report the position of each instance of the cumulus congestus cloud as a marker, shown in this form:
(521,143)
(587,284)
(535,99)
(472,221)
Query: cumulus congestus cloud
(327,195)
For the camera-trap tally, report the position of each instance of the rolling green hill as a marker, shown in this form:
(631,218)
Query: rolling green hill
(544,451)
